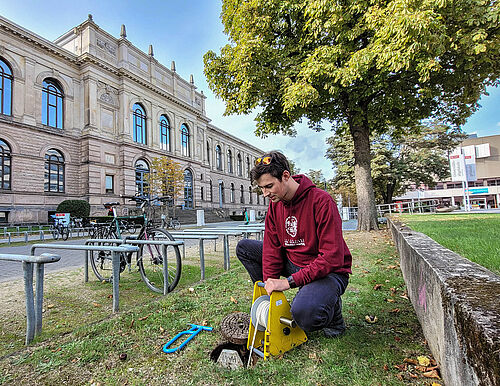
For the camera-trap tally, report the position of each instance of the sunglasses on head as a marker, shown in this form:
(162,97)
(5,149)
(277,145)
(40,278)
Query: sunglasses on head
(263,160)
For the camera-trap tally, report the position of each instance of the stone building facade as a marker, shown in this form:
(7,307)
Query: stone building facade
(82,118)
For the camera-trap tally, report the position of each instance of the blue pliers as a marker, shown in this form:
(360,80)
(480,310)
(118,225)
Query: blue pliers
(193,331)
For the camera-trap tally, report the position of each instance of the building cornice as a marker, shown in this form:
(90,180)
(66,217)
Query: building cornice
(37,40)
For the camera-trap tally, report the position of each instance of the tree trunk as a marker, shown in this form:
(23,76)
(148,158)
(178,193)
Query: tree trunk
(367,211)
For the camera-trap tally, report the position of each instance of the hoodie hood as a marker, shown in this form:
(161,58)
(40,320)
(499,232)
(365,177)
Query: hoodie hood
(305,184)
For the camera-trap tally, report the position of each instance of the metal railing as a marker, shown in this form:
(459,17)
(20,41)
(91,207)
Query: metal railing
(33,303)
(416,206)
(106,248)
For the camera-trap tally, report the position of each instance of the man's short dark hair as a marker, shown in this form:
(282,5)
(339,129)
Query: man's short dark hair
(276,166)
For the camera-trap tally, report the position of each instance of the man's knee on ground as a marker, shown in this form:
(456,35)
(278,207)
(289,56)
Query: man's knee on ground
(242,248)
(309,317)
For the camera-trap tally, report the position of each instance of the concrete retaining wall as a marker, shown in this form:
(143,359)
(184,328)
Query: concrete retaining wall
(458,305)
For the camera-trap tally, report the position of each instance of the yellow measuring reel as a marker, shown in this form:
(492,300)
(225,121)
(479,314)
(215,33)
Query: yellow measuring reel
(271,325)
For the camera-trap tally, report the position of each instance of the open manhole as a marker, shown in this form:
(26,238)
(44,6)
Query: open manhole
(234,328)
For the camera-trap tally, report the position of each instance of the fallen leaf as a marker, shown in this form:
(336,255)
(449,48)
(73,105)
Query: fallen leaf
(423,360)
(57,349)
(413,375)
(399,376)
(435,384)
(394,310)
(402,367)
(123,356)
(410,361)
(96,304)
(392,266)
(432,374)
(204,323)
(421,368)
(371,319)
(110,296)
(162,330)
(312,355)
(389,300)
(145,317)
(377,286)
(356,266)
(386,368)
(191,289)
(50,306)
(234,300)
(397,338)
(132,323)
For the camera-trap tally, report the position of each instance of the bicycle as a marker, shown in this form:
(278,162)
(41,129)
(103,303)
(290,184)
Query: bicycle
(149,258)
(57,229)
(172,223)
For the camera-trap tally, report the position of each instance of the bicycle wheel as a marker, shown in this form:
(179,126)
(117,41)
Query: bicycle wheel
(64,233)
(55,233)
(150,260)
(176,224)
(101,261)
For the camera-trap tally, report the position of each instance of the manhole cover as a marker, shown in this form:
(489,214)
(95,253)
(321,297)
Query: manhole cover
(234,327)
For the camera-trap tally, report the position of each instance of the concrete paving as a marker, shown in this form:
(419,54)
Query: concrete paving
(10,270)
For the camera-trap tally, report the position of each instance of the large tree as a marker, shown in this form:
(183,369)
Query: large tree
(364,66)
(398,162)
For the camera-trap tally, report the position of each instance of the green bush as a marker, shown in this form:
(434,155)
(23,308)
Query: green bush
(76,208)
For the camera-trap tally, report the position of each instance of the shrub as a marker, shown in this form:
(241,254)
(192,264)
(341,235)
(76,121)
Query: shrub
(76,208)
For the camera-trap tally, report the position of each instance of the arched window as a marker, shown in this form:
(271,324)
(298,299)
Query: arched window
(232,193)
(218,158)
(139,124)
(5,166)
(208,153)
(141,171)
(201,194)
(188,189)
(250,195)
(5,88)
(52,104)
(248,167)
(165,133)
(54,171)
(240,165)
(229,161)
(185,140)
(242,194)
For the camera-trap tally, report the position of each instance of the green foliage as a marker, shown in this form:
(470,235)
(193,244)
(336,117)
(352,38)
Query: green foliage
(363,66)
(398,162)
(76,208)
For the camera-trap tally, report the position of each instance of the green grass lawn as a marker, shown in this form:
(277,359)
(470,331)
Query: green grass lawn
(81,343)
(471,235)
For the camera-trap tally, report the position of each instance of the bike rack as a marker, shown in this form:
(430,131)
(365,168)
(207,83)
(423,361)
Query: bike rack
(106,248)
(33,318)
(163,243)
(224,234)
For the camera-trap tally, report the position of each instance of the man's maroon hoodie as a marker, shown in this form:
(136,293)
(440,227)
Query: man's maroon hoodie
(308,231)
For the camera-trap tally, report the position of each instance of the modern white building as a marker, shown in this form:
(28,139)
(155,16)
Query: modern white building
(484,190)
(82,118)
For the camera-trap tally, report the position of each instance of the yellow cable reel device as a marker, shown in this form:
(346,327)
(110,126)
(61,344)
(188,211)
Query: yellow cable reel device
(271,325)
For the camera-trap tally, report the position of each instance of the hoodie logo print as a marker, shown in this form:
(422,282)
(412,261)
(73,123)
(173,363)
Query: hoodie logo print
(291,225)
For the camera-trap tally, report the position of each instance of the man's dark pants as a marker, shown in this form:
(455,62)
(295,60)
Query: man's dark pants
(316,305)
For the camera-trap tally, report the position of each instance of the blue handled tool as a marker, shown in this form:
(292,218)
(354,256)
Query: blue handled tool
(193,331)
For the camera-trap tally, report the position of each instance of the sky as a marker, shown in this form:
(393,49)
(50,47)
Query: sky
(184,31)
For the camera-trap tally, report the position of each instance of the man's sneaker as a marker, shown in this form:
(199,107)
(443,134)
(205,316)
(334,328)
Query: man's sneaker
(337,325)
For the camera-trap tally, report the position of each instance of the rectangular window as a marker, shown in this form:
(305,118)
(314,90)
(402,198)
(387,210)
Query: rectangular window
(4,217)
(110,184)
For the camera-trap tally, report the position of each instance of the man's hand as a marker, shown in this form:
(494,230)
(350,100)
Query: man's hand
(276,285)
